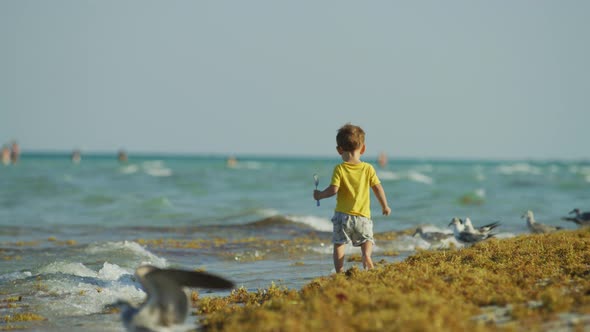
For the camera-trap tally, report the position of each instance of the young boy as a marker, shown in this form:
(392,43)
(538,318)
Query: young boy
(351,181)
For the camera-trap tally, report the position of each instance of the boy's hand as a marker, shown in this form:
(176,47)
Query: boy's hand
(386,211)
(316,195)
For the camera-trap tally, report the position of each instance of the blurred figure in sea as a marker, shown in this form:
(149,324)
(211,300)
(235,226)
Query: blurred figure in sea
(232,162)
(6,155)
(15,155)
(382,160)
(76,156)
(122,156)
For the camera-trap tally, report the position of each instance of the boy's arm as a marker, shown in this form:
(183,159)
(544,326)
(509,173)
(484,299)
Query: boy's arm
(328,192)
(380,194)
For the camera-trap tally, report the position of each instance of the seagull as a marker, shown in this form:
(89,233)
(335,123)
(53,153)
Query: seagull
(467,236)
(432,236)
(485,229)
(581,218)
(166,305)
(535,227)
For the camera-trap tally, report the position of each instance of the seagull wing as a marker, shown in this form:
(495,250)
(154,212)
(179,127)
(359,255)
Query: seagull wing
(166,297)
(471,237)
(194,279)
(576,220)
(489,227)
(585,216)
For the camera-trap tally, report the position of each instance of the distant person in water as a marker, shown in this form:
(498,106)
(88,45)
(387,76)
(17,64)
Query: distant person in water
(382,160)
(350,183)
(15,154)
(76,156)
(232,162)
(122,156)
(6,155)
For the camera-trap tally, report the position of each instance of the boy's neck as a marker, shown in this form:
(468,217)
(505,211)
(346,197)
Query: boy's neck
(351,157)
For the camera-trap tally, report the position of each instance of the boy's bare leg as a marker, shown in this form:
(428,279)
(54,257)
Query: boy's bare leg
(339,257)
(366,250)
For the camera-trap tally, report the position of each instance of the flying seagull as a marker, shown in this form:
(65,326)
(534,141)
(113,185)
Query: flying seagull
(467,236)
(581,218)
(536,227)
(166,305)
(431,236)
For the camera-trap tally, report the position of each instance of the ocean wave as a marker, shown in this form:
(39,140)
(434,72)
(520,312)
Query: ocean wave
(133,251)
(519,168)
(156,168)
(12,276)
(73,289)
(129,169)
(412,175)
(70,268)
(313,222)
(317,223)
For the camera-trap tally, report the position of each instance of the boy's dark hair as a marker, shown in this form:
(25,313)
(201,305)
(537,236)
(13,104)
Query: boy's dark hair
(350,137)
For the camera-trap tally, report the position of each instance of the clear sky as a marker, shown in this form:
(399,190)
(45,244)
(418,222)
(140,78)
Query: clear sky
(442,79)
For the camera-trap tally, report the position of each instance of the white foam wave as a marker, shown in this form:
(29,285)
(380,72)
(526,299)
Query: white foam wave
(419,177)
(73,296)
(129,169)
(481,193)
(267,212)
(75,269)
(411,175)
(519,168)
(111,271)
(320,224)
(15,276)
(156,168)
(388,176)
(139,253)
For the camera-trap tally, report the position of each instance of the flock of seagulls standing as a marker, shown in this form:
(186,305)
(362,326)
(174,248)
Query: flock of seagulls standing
(465,233)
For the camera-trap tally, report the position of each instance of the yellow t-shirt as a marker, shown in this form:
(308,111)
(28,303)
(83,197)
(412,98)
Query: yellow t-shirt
(353,182)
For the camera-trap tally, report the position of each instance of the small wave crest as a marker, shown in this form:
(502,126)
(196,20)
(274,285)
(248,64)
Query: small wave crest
(156,168)
(12,276)
(131,251)
(74,289)
(411,175)
(317,223)
(519,168)
(129,169)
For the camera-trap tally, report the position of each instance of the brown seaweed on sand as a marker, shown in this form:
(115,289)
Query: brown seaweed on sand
(530,282)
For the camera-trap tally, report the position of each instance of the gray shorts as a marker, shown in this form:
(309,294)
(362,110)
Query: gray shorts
(349,228)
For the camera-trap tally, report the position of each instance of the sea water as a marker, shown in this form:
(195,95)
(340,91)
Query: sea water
(71,234)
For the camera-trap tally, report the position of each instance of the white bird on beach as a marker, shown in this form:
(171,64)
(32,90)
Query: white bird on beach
(581,218)
(485,229)
(468,236)
(167,305)
(432,236)
(536,227)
